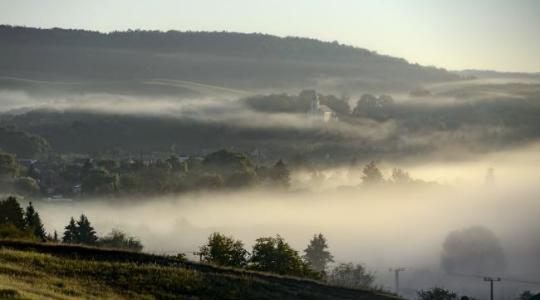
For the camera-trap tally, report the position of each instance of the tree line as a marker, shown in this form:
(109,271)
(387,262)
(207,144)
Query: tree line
(16,223)
(273,254)
(218,170)
(268,254)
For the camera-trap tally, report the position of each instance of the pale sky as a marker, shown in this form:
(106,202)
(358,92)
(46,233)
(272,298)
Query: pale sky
(454,34)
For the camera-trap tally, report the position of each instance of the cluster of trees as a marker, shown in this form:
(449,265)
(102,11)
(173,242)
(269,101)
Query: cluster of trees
(23,144)
(297,103)
(221,169)
(373,107)
(81,232)
(16,223)
(438,293)
(13,178)
(269,254)
(372,175)
(368,106)
(275,255)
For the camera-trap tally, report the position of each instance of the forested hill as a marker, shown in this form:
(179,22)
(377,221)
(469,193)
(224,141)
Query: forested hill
(218,43)
(220,58)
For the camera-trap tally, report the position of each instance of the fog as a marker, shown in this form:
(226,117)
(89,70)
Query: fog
(382,227)
(209,109)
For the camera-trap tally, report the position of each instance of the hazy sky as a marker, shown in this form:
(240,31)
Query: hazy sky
(455,34)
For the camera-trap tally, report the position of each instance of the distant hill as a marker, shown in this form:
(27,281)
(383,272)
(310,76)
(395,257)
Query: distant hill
(224,59)
(497,74)
(53,271)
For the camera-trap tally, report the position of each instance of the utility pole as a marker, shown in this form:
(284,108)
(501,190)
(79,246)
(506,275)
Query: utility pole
(396,277)
(491,279)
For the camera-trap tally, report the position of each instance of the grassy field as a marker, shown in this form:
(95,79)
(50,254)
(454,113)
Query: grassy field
(48,271)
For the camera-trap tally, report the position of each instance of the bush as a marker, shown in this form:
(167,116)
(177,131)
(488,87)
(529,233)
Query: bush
(117,239)
(9,231)
(437,294)
(350,275)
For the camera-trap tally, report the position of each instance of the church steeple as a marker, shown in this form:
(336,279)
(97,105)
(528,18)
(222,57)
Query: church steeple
(315,104)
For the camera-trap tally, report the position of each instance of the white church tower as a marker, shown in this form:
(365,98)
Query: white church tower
(320,112)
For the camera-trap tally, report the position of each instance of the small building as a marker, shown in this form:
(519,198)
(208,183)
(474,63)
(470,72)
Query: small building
(320,111)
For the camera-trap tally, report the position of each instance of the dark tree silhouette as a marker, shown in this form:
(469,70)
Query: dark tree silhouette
(11,213)
(71,233)
(437,294)
(33,223)
(280,174)
(371,174)
(317,255)
(474,250)
(85,232)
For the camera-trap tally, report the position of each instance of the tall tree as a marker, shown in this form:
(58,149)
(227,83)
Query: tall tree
(71,233)
(317,255)
(11,213)
(371,174)
(85,231)
(8,167)
(280,174)
(33,222)
(401,176)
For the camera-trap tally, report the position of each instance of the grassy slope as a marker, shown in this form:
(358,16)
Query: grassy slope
(38,271)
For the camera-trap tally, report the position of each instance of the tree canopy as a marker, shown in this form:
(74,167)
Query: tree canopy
(273,254)
(224,250)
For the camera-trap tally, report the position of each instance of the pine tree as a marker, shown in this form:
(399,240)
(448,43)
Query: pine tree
(280,174)
(12,213)
(71,235)
(316,254)
(33,223)
(86,233)
(372,174)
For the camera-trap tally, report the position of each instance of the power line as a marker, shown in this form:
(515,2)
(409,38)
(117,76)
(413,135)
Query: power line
(521,281)
(510,279)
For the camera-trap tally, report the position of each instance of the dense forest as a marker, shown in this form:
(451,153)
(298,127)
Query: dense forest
(236,60)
